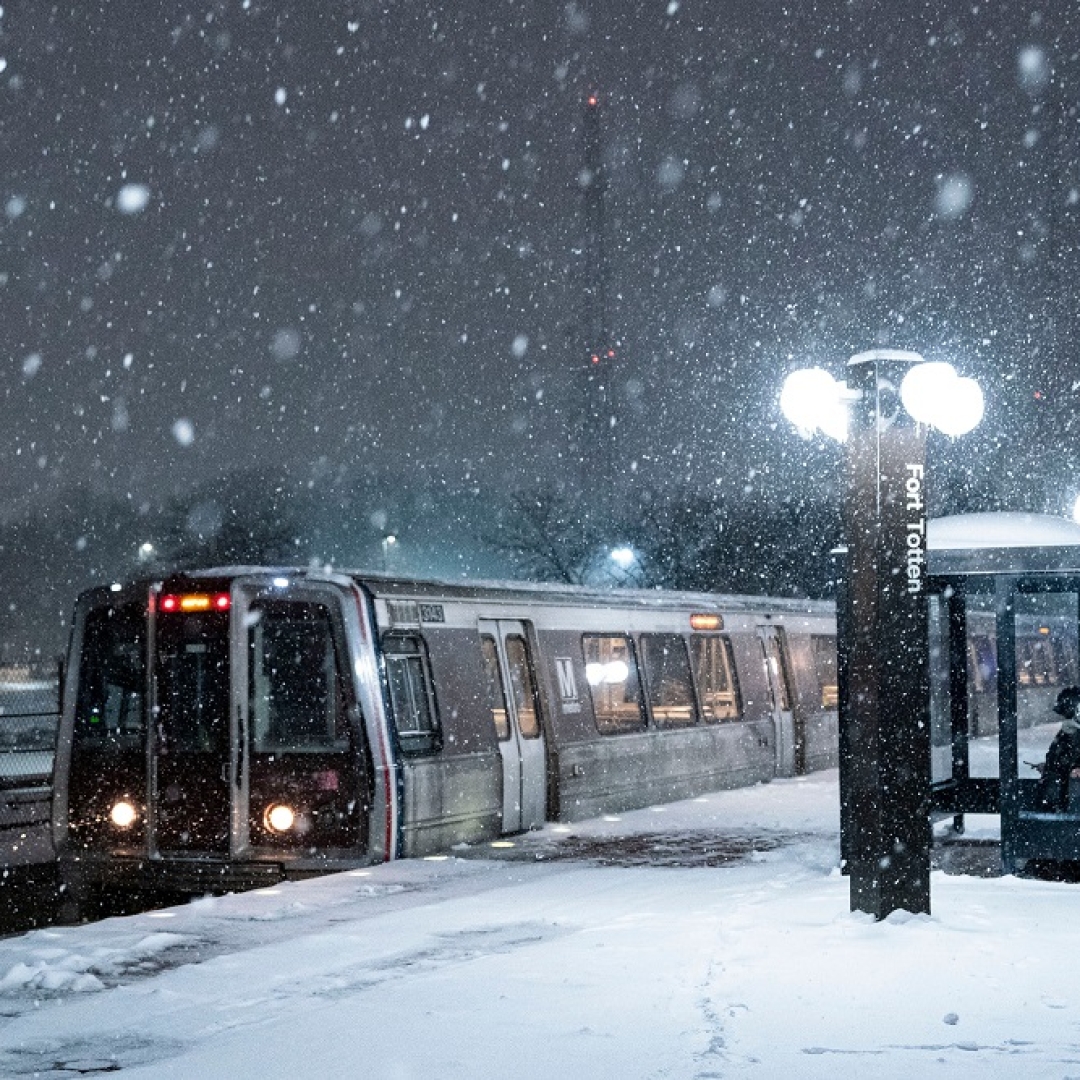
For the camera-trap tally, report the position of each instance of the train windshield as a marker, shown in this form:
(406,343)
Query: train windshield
(193,683)
(295,690)
(112,678)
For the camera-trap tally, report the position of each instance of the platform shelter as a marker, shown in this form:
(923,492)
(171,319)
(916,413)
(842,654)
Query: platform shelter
(1004,640)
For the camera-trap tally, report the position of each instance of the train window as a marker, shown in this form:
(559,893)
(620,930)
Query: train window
(522,686)
(823,648)
(494,693)
(296,698)
(774,651)
(669,687)
(714,668)
(112,677)
(411,697)
(193,683)
(611,671)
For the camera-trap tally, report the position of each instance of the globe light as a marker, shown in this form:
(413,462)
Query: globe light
(933,393)
(814,401)
(964,410)
(925,388)
(623,557)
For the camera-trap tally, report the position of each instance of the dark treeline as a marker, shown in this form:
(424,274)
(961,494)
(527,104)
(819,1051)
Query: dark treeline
(681,540)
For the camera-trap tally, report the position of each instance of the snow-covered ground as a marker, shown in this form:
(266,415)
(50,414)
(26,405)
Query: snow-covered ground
(613,963)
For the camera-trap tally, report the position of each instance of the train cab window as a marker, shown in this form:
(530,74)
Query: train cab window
(823,649)
(714,669)
(522,686)
(296,698)
(669,688)
(611,671)
(193,683)
(494,692)
(112,677)
(411,697)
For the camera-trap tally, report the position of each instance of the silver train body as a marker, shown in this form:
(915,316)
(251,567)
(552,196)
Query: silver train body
(236,727)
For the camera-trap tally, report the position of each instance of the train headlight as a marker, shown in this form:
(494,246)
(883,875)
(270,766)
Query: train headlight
(123,814)
(279,818)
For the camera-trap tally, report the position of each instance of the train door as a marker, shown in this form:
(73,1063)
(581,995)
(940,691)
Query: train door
(300,775)
(788,741)
(194,774)
(515,708)
(253,743)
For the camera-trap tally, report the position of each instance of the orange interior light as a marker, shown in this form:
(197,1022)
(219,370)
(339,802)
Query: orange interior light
(706,622)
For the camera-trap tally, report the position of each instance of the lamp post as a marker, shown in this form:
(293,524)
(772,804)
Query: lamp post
(883,415)
(389,541)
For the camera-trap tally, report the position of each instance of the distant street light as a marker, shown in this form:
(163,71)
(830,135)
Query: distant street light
(1076,509)
(623,557)
(146,551)
(388,542)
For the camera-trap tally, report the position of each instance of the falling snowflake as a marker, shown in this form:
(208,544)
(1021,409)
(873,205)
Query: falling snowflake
(184,432)
(132,198)
(954,195)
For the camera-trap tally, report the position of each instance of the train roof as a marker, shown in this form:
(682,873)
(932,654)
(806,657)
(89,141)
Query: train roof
(394,586)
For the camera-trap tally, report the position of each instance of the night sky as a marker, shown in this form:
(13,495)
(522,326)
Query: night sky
(328,238)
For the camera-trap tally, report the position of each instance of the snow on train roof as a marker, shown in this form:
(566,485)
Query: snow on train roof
(394,585)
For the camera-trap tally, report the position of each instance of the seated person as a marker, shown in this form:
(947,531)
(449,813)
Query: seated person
(1063,755)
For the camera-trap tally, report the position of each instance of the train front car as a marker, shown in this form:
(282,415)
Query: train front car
(217,735)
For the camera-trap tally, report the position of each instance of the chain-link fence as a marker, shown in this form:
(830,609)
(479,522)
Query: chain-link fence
(29,712)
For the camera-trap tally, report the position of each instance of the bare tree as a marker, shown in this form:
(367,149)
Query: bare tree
(547,534)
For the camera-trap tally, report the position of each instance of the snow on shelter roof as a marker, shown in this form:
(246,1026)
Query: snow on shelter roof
(1003,543)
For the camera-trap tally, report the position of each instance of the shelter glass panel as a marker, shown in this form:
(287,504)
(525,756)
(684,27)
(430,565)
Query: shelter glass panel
(982,673)
(1046,662)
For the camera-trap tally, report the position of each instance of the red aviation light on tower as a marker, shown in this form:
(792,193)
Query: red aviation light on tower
(593,100)
(601,356)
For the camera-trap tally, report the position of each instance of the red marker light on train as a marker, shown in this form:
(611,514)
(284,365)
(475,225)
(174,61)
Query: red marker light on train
(195,602)
(706,622)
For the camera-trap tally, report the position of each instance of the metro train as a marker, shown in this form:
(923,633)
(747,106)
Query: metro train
(230,728)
